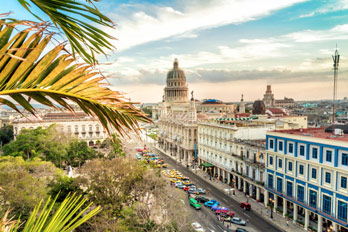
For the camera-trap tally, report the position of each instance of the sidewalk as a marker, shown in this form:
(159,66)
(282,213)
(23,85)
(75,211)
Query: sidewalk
(257,207)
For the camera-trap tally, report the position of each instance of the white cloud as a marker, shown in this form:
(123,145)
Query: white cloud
(331,6)
(165,22)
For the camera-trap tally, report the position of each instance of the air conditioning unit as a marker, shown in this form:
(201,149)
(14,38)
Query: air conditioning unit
(338,132)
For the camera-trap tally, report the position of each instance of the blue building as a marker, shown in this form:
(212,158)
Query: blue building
(306,177)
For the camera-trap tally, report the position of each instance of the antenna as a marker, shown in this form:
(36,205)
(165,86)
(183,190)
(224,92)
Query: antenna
(336,60)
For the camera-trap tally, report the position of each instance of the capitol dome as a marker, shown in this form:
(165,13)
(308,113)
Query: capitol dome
(176,73)
(176,89)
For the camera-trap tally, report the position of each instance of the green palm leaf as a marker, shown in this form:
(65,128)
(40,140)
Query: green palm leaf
(76,20)
(51,78)
(71,213)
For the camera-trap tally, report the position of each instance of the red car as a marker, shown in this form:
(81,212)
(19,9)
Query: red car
(187,188)
(245,205)
(225,213)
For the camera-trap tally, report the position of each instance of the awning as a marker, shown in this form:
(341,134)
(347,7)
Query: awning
(207,165)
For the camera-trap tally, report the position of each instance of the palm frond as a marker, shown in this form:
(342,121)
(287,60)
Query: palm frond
(71,213)
(51,78)
(76,20)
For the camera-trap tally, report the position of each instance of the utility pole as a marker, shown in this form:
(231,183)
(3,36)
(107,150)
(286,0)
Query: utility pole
(336,60)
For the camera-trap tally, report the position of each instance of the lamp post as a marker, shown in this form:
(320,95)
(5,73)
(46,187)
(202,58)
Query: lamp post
(271,201)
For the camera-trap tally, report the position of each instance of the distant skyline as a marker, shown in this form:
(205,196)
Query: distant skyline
(227,48)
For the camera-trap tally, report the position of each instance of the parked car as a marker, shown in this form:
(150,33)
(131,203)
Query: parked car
(240,230)
(192,191)
(245,205)
(187,188)
(238,221)
(194,203)
(211,203)
(216,207)
(201,191)
(222,210)
(197,227)
(178,183)
(181,186)
(202,199)
(228,214)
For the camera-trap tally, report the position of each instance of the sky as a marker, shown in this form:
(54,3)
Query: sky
(226,47)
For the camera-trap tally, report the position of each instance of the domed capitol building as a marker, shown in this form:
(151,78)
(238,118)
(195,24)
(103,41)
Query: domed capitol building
(178,118)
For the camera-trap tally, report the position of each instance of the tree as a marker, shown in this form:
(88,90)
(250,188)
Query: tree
(24,183)
(6,134)
(78,152)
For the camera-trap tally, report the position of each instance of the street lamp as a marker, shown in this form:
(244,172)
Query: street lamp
(271,201)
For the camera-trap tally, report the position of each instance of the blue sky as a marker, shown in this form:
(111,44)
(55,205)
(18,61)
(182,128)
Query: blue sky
(226,47)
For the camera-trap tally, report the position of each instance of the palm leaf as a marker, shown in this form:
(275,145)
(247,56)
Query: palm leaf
(76,21)
(51,79)
(71,213)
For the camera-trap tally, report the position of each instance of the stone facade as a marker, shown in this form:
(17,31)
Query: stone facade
(79,124)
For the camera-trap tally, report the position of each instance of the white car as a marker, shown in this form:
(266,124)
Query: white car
(197,227)
(238,221)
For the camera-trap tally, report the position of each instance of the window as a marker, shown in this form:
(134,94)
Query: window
(343,182)
(302,150)
(300,193)
(280,185)
(290,166)
(342,210)
(314,173)
(326,204)
(280,163)
(315,153)
(291,148)
(344,159)
(271,160)
(289,189)
(270,181)
(271,143)
(328,177)
(313,198)
(328,156)
(280,146)
(301,169)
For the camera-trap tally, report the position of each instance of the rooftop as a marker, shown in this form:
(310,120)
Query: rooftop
(316,133)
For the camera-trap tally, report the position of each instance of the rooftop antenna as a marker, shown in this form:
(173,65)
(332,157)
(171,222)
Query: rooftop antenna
(336,60)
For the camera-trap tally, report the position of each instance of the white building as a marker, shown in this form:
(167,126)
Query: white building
(79,124)
(307,173)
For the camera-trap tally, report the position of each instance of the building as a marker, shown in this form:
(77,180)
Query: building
(177,123)
(233,149)
(79,124)
(242,106)
(284,103)
(268,97)
(306,176)
(259,107)
(214,108)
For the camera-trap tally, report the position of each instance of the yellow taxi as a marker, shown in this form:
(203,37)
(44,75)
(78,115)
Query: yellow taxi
(186,182)
(173,180)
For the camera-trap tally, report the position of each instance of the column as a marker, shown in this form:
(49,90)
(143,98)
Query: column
(295,211)
(306,219)
(320,223)
(244,186)
(223,175)
(257,193)
(335,227)
(275,203)
(265,197)
(250,190)
(285,207)
(239,182)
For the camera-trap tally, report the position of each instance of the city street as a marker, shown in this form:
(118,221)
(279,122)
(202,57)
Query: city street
(256,223)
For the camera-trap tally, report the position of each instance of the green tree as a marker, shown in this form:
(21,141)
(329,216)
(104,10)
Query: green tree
(78,152)
(24,183)
(6,134)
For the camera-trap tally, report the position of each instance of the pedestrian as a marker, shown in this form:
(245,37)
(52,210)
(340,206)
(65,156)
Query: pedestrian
(287,223)
(70,171)
(223,220)
(228,228)
(219,217)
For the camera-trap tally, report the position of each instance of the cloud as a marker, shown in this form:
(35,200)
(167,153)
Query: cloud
(331,6)
(138,24)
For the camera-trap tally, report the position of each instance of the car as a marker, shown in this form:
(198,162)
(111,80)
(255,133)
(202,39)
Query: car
(192,191)
(187,188)
(194,203)
(201,191)
(245,205)
(186,182)
(211,203)
(227,214)
(181,186)
(202,199)
(222,210)
(174,180)
(240,230)
(178,183)
(216,207)
(197,227)
(238,221)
